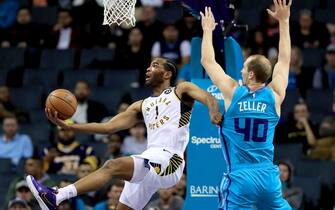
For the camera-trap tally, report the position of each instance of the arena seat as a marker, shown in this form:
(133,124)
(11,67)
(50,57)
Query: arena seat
(3,77)
(311,187)
(325,15)
(40,77)
(320,103)
(312,57)
(27,98)
(171,14)
(11,58)
(37,116)
(62,177)
(139,93)
(38,132)
(99,149)
(109,97)
(251,17)
(50,59)
(305,4)
(90,75)
(331,4)
(5,166)
(122,78)
(6,179)
(93,58)
(288,152)
(291,98)
(44,15)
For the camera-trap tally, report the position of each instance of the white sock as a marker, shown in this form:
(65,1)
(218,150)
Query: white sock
(65,193)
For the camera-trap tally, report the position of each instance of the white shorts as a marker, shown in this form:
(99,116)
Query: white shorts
(154,169)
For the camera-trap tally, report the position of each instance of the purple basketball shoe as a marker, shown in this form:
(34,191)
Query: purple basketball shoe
(45,196)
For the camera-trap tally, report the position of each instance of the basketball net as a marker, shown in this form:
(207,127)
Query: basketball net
(119,11)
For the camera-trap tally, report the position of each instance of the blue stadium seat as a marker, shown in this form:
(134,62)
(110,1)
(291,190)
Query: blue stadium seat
(320,103)
(27,98)
(120,78)
(91,57)
(99,149)
(108,96)
(3,77)
(312,57)
(40,77)
(331,76)
(11,58)
(5,166)
(38,132)
(288,152)
(57,60)
(90,75)
(6,179)
(139,93)
(170,14)
(255,4)
(291,98)
(251,17)
(44,15)
(311,187)
(305,4)
(38,116)
(325,15)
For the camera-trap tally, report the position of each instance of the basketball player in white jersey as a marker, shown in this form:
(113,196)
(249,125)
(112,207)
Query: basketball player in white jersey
(166,114)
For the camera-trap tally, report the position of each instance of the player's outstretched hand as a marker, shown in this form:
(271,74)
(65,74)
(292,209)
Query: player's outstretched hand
(282,10)
(53,117)
(208,20)
(216,118)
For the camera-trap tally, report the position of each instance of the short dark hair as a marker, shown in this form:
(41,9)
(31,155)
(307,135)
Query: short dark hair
(10,116)
(169,65)
(85,82)
(290,170)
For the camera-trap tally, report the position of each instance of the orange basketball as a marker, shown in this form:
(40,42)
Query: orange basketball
(62,101)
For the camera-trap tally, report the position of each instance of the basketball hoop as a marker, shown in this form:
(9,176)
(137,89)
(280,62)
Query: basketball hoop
(119,11)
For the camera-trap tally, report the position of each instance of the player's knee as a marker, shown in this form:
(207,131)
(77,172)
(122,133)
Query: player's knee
(112,166)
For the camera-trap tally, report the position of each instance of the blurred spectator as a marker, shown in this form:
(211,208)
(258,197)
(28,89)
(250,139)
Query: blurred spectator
(25,33)
(23,192)
(87,110)
(75,203)
(88,198)
(292,194)
(149,25)
(166,201)
(136,143)
(18,204)
(180,188)
(13,144)
(135,55)
(309,34)
(68,154)
(270,29)
(189,27)
(330,58)
(299,129)
(8,10)
(114,144)
(113,197)
(64,35)
(172,47)
(7,108)
(257,43)
(325,145)
(33,166)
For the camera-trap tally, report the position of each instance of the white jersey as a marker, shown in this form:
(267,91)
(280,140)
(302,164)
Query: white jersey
(167,121)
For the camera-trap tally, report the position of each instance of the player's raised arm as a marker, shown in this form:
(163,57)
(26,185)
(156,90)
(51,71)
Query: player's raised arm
(122,121)
(188,90)
(281,69)
(224,82)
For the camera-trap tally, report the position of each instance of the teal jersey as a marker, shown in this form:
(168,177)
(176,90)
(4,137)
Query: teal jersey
(248,127)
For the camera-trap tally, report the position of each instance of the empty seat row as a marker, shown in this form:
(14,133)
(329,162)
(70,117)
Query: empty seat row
(56,60)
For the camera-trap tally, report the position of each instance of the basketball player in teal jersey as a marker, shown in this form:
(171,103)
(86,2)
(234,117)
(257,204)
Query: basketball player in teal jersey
(167,115)
(252,113)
